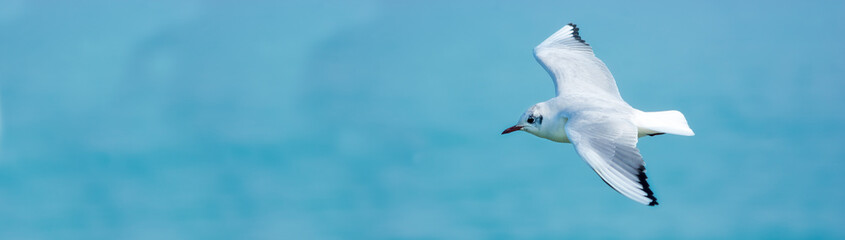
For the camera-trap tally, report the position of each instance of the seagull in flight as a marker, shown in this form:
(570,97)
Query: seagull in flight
(588,112)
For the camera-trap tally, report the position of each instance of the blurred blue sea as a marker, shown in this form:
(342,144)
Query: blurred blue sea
(381,119)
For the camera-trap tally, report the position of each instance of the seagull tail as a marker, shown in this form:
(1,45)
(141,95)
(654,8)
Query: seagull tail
(656,123)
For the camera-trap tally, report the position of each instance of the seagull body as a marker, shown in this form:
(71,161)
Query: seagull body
(589,112)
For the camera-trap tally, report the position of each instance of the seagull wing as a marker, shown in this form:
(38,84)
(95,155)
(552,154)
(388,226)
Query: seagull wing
(573,66)
(609,144)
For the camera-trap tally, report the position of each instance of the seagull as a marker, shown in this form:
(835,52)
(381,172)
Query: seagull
(588,112)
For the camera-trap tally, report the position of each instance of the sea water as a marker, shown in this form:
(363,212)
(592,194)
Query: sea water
(381,120)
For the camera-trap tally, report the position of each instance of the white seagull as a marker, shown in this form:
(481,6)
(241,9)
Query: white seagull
(588,112)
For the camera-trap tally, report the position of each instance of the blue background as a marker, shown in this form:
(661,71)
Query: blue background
(381,120)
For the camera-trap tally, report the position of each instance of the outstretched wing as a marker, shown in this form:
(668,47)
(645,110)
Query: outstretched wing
(573,66)
(609,145)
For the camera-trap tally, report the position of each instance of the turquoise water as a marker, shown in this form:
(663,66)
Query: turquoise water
(381,120)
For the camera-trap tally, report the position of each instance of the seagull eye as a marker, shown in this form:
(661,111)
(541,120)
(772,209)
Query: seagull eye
(530,120)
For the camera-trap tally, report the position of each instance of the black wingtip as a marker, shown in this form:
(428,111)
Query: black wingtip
(576,35)
(649,194)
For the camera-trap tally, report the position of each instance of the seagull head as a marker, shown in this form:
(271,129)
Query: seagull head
(530,121)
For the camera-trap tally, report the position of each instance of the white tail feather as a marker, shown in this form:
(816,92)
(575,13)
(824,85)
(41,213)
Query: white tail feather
(671,122)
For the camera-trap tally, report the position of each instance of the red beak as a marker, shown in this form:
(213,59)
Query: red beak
(512,129)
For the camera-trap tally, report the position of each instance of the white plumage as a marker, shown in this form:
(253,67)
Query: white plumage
(589,112)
